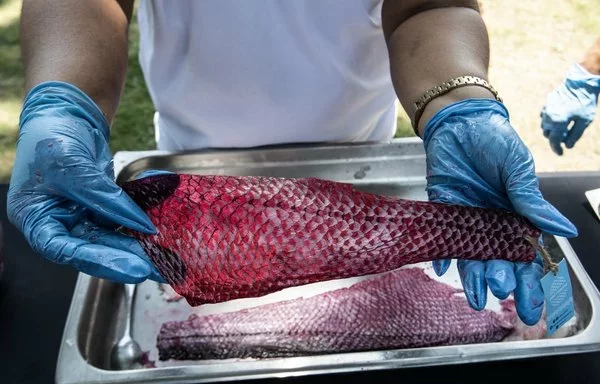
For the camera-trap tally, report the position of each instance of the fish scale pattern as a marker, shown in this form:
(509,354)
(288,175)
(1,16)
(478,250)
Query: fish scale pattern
(401,309)
(227,237)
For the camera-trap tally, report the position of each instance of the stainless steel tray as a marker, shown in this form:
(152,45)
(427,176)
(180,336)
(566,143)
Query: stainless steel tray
(396,168)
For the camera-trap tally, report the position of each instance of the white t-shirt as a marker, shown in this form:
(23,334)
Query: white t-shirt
(233,73)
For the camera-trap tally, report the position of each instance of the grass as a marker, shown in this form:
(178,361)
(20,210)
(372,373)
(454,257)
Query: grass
(133,128)
(404,128)
(536,37)
(587,15)
(11,83)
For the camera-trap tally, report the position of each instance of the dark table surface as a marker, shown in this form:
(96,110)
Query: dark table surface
(35,296)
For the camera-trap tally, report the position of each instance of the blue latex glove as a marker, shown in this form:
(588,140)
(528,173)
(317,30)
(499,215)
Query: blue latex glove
(475,158)
(62,196)
(574,101)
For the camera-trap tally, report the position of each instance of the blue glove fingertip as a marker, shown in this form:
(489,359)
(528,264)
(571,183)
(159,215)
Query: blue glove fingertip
(529,295)
(500,278)
(114,264)
(576,132)
(441,266)
(142,222)
(146,226)
(529,307)
(549,219)
(137,259)
(528,201)
(156,276)
(530,316)
(555,140)
(472,276)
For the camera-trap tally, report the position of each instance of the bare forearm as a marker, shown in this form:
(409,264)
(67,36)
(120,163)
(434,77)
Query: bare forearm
(80,42)
(433,46)
(591,61)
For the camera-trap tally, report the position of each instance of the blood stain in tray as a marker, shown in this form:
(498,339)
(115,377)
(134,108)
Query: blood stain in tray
(169,293)
(146,362)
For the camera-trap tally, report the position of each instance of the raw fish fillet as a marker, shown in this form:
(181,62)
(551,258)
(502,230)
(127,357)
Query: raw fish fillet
(223,237)
(401,309)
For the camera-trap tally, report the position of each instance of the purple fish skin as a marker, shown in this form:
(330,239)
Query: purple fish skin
(401,309)
(223,237)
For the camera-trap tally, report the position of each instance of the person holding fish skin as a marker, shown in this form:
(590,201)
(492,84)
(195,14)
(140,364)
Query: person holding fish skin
(296,71)
(575,101)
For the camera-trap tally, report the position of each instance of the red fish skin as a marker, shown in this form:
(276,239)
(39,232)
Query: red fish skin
(401,309)
(223,237)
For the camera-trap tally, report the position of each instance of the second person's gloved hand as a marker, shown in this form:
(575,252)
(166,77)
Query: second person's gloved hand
(62,196)
(574,101)
(476,158)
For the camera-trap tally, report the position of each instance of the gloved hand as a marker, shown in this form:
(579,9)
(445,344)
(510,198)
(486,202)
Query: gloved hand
(576,101)
(475,158)
(62,196)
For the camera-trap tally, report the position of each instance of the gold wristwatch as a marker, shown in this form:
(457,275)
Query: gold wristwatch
(444,88)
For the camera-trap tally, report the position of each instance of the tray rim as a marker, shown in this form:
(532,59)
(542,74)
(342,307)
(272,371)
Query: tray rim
(123,159)
(72,367)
